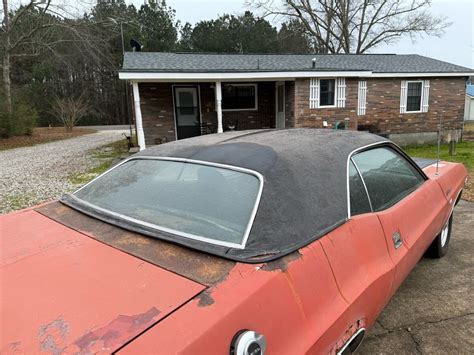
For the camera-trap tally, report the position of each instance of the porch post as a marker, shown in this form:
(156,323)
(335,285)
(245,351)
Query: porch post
(219,106)
(138,116)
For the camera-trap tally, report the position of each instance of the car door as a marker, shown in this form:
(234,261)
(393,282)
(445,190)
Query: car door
(410,207)
(358,255)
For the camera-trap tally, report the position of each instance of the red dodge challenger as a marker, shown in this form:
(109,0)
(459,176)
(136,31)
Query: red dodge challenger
(271,241)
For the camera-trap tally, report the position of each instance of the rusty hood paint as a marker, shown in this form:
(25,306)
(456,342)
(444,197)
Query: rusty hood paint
(63,292)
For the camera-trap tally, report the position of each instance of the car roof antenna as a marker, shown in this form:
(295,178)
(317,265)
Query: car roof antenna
(439,145)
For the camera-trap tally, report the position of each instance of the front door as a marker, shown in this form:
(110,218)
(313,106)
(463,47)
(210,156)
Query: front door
(188,120)
(280,105)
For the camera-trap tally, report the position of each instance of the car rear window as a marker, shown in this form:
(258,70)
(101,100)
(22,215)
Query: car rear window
(197,200)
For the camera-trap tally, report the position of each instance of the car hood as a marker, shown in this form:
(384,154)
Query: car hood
(64,292)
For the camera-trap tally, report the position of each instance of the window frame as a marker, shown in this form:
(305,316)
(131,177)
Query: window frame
(335,93)
(421,95)
(105,212)
(255,108)
(371,146)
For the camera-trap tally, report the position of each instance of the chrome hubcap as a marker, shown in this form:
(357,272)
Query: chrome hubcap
(444,234)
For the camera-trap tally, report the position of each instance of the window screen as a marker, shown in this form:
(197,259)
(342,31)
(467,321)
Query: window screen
(187,199)
(326,92)
(389,177)
(238,97)
(359,200)
(414,96)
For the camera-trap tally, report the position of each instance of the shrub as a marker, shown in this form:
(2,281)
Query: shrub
(21,122)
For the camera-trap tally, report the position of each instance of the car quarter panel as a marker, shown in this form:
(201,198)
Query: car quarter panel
(293,302)
(359,258)
(417,219)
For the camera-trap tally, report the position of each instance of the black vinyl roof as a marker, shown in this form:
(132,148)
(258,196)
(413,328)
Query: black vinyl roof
(209,63)
(305,187)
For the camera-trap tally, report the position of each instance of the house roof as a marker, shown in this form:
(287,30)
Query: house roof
(158,62)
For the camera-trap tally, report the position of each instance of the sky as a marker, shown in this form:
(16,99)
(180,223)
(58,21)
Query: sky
(455,46)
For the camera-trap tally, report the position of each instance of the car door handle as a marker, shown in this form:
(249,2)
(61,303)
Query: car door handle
(397,240)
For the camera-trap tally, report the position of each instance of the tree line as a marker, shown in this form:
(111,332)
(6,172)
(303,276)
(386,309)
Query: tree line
(52,53)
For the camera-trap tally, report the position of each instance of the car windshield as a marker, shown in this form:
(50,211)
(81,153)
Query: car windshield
(191,199)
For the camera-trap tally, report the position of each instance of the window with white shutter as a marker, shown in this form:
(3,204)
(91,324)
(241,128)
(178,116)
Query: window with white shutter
(327,92)
(362,97)
(314,93)
(414,96)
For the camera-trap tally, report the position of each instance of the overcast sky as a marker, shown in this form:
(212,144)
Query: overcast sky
(456,46)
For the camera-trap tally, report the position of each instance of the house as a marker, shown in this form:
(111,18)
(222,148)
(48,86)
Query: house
(402,97)
(469,108)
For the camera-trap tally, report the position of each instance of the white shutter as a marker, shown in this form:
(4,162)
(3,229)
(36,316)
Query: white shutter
(403,97)
(425,96)
(362,97)
(341,92)
(313,93)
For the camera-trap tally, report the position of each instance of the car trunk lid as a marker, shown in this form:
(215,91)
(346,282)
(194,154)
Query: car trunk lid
(62,291)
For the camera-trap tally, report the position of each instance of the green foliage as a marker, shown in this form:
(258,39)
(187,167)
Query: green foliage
(21,122)
(235,34)
(292,38)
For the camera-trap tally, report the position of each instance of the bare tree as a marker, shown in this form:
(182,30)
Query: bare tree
(70,110)
(40,26)
(356,26)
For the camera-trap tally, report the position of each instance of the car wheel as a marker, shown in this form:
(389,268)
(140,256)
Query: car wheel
(439,247)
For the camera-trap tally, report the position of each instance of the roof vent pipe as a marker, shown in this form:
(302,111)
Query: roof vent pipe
(314,63)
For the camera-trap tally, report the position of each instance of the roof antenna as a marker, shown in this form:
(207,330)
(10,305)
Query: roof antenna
(314,63)
(439,146)
(258,63)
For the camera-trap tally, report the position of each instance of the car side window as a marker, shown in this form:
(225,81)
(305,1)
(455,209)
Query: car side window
(358,196)
(388,176)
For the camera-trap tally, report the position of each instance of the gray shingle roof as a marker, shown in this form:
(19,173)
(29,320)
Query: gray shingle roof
(209,63)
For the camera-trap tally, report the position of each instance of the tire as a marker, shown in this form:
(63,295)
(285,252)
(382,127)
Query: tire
(440,244)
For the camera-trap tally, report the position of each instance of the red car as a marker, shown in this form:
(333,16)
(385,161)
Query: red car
(271,241)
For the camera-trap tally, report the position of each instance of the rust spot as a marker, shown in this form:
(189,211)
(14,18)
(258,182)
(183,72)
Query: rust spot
(205,299)
(281,263)
(114,334)
(204,268)
(52,336)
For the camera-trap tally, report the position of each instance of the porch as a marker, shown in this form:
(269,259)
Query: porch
(167,111)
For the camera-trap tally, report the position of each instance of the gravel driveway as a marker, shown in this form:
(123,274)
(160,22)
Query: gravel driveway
(30,175)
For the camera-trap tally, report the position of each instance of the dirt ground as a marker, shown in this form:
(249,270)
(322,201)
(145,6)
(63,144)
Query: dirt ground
(42,135)
(433,311)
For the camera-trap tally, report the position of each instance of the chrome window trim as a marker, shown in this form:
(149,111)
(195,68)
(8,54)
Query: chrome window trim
(363,183)
(172,231)
(388,143)
(349,159)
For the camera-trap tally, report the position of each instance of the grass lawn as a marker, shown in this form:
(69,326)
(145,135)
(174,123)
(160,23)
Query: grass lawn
(464,154)
(42,135)
(105,156)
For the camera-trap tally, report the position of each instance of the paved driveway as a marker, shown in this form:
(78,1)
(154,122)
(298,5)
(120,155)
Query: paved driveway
(433,311)
(30,175)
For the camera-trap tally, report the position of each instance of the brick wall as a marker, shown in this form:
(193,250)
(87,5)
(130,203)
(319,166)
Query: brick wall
(383,115)
(158,115)
(157,112)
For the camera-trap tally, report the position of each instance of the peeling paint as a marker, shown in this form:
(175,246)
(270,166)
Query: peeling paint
(114,334)
(52,336)
(281,263)
(205,299)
